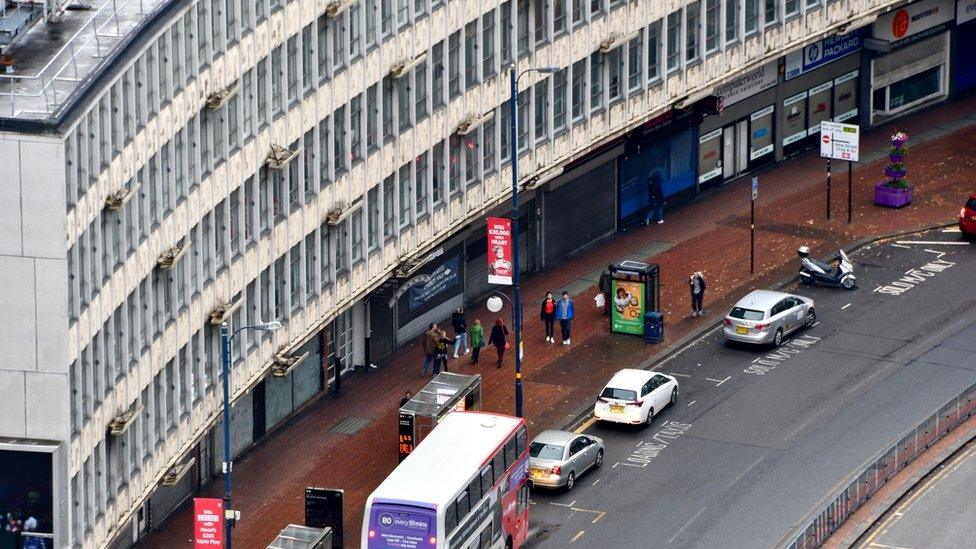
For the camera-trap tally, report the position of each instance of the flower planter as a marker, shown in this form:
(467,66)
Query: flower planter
(896,158)
(897,143)
(895,173)
(892,197)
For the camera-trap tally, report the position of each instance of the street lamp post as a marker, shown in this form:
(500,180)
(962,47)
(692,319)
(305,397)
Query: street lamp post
(228,466)
(516,292)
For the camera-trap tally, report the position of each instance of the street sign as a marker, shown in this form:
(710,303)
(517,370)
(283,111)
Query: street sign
(755,187)
(323,509)
(208,523)
(839,141)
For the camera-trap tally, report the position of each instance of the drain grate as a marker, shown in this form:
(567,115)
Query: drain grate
(351,425)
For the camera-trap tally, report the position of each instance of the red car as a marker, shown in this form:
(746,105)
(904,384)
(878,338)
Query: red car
(967,217)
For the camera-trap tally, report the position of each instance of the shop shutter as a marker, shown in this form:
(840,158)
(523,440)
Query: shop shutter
(580,212)
(682,163)
(908,61)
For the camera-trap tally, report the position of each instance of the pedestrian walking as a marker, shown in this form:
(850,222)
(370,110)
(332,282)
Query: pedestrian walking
(497,338)
(460,325)
(697,285)
(430,346)
(565,314)
(655,200)
(547,314)
(605,285)
(406,398)
(441,344)
(477,333)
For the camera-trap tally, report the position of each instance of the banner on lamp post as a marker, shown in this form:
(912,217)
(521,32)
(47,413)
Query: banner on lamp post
(499,250)
(208,523)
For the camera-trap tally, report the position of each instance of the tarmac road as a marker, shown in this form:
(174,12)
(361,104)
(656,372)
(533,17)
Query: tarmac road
(759,437)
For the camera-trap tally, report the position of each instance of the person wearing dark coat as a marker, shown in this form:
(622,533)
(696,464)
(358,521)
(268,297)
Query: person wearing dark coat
(460,325)
(547,314)
(497,338)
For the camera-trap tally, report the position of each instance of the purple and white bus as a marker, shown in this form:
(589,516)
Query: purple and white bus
(465,485)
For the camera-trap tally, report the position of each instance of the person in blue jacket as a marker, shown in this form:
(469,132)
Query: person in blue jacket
(565,314)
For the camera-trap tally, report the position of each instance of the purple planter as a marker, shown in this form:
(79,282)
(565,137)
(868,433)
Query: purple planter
(896,158)
(897,143)
(892,198)
(895,173)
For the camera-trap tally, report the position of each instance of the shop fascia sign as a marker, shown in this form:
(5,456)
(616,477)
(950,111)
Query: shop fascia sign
(912,19)
(822,52)
(748,84)
(965,11)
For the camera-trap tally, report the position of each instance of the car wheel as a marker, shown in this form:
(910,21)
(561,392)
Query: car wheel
(778,338)
(649,418)
(570,481)
(811,318)
(674,395)
(848,283)
(599,459)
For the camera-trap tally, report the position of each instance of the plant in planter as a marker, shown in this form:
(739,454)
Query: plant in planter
(896,191)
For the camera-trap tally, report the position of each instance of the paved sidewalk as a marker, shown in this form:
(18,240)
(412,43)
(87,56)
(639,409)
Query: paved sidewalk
(709,234)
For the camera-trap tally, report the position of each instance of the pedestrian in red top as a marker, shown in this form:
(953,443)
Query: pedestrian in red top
(497,338)
(547,314)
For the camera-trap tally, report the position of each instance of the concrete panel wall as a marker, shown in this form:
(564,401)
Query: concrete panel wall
(279,398)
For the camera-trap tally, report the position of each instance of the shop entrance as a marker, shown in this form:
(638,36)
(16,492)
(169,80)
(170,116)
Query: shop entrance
(735,149)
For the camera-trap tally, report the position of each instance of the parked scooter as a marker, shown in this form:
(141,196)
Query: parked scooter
(814,271)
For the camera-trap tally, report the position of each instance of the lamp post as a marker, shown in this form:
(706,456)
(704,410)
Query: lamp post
(228,465)
(514,76)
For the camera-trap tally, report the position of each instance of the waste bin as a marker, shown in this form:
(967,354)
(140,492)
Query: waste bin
(653,326)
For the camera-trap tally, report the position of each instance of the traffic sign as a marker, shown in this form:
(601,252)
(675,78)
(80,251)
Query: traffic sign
(839,141)
(755,187)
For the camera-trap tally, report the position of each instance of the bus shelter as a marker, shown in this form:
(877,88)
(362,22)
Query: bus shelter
(635,289)
(295,536)
(446,393)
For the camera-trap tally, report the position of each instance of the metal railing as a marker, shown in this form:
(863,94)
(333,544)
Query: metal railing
(879,469)
(63,65)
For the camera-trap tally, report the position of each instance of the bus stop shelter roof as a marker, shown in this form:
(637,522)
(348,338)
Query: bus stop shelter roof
(295,536)
(438,395)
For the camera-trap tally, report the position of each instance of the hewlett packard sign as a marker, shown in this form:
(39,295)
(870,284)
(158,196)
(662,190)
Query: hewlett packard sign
(822,52)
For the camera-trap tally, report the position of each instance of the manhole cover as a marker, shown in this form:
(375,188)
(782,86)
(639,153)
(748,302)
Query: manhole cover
(351,425)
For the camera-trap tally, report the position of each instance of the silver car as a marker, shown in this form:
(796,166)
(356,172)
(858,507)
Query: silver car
(557,458)
(764,316)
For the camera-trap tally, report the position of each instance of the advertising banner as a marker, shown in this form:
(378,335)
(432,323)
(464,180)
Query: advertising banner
(208,523)
(444,277)
(913,19)
(748,84)
(627,313)
(822,52)
(499,250)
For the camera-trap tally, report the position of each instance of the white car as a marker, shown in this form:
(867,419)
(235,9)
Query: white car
(634,396)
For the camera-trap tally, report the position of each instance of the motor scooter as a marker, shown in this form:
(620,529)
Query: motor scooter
(814,271)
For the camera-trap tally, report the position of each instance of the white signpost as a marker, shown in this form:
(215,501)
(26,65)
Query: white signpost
(841,142)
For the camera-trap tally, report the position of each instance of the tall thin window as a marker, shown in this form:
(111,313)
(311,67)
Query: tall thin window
(454,65)
(292,69)
(596,81)
(771,11)
(373,217)
(506,38)
(437,68)
(389,206)
(615,74)
(635,63)
(579,89)
(403,104)
(522,23)
(559,101)
(558,17)
(692,36)
(405,196)
(731,20)
(541,22)
(470,59)
(674,44)
(420,94)
(488,44)
(542,110)
(751,16)
(421,185)
(712,27)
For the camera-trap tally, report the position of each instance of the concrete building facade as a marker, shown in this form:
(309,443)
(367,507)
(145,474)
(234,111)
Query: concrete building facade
(226,160)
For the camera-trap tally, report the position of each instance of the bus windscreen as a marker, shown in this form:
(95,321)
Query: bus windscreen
(394,526)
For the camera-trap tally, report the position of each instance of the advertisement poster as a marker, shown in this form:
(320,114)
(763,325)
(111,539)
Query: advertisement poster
(627,307)
(208,525)
(499,250)
(442,279)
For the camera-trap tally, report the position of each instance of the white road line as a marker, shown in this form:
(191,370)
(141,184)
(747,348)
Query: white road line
(577,536)
(719,381)
(687,524)
(900,246)
(933,243)
(594,482)
(692,402)
(842,308)
(675,374)
(954,229)
(564,504)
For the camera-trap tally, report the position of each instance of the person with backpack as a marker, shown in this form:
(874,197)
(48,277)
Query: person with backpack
(477,333)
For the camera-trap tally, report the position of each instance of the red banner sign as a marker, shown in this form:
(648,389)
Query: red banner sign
(499,250)
(208,523)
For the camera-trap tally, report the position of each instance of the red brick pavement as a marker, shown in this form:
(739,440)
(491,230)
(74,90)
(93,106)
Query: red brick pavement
(710,234)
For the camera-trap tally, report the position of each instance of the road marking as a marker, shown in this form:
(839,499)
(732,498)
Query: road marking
(876,545)
(596,519)
(954,229)
(719,381)
(594,482)
(845,306)
(586,425)
(815,323)
(570,505)
(687,524)
(578,536)
(900,246)
(674,374)
(933,243)
(692,402)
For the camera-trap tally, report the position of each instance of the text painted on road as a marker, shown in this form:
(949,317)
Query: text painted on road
(647,451)
(795,346)
(914,276)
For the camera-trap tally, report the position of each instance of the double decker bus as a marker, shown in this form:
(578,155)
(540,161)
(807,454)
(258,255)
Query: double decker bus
(465,486)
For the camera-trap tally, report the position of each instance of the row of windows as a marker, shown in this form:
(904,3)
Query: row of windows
(481,485)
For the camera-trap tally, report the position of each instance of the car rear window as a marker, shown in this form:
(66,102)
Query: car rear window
(746,314)
(542,450)
(619,394)
(971,204)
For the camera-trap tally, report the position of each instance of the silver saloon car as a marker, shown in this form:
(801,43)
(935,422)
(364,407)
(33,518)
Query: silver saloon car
(765,316)
(558,458)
